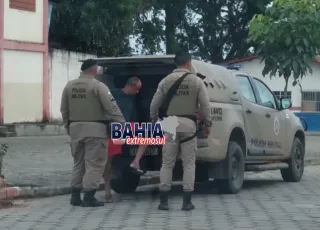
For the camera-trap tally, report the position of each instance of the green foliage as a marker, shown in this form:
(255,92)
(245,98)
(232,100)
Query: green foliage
(287,37)
(214,30)
(3,150)
(223,28)
(99,27)
(158,22)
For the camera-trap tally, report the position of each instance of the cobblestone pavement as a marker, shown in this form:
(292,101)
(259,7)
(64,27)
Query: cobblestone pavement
(46,161)
(266,202)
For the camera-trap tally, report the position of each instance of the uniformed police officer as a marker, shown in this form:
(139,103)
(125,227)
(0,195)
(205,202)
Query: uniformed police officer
(86,105)
(184,105)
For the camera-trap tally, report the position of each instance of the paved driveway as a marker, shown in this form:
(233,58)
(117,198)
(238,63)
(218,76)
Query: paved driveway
(266,202)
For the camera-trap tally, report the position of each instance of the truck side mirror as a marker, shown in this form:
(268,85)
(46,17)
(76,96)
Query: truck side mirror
(285,103)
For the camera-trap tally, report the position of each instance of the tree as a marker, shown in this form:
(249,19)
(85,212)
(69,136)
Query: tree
(215,30)
(287,38)
(224,27)
(99,27)
(158,22)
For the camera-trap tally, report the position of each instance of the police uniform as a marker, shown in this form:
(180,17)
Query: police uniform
(190,93)
(86,106)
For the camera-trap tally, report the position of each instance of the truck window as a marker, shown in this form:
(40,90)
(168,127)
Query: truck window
(246,88)
(266,96)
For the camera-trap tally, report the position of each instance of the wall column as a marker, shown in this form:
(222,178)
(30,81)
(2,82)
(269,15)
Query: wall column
(46,96)
(1,57)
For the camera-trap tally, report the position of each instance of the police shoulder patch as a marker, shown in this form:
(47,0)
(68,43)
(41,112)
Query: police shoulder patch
(111,97)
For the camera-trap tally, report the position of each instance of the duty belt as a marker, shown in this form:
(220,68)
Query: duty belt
(193,118)
(105,122)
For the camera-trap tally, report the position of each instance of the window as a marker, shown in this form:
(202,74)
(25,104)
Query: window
(27,5)
(310,101)
(280,94)
(266,96)
(246,88)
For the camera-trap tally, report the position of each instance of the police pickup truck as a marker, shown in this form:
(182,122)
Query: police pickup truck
(252,130)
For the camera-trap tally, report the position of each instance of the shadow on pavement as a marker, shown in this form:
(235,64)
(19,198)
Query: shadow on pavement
(261,183)
(151,192)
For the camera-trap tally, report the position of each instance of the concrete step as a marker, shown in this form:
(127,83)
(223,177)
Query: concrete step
(3,129)
(10,127)
(8,134)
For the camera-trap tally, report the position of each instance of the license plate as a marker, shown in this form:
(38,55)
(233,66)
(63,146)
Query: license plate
(149,152)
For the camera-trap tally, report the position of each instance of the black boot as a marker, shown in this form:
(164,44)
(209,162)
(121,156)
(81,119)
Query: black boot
(75,197)
(90,201)
(163,201)
(187,205)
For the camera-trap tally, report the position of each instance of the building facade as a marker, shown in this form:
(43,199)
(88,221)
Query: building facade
(24,75)
(305,96)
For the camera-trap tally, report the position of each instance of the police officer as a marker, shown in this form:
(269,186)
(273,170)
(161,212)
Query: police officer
(85,106)
(184,105)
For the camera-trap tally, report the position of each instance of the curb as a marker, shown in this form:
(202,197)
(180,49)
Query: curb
(312,133)
(41,192)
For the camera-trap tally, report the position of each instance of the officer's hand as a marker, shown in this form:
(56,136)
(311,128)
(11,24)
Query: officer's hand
(207,131)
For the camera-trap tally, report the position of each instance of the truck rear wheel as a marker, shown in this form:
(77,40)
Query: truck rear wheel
(125,182)
(296,163)
(235,167)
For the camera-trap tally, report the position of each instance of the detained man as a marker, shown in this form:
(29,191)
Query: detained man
(125,99)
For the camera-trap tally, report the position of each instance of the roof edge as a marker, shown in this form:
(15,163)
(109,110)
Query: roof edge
(250,58)
(244,59)
(237,60)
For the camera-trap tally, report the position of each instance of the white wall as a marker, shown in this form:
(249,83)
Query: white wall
(22,86)
(23,25)
(309,83)
(63,67)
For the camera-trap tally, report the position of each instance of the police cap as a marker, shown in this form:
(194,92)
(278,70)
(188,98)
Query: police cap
(182,58)
(88,64)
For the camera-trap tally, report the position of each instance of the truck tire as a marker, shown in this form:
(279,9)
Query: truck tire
(235,173)
(126,182)
(296,163)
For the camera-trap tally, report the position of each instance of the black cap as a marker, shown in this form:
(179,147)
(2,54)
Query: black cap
(88,64)
(182,57)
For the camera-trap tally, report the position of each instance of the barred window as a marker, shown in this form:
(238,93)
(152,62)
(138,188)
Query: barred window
(27,5)
(280,94)
(310,101)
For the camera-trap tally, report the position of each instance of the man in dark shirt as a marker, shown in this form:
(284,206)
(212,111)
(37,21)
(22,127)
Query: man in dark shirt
(125,99)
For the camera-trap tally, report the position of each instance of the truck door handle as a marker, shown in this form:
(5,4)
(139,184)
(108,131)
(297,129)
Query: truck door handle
(268,115)
(248,111)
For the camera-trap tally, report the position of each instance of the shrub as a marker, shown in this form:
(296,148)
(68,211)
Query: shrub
(3,152)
